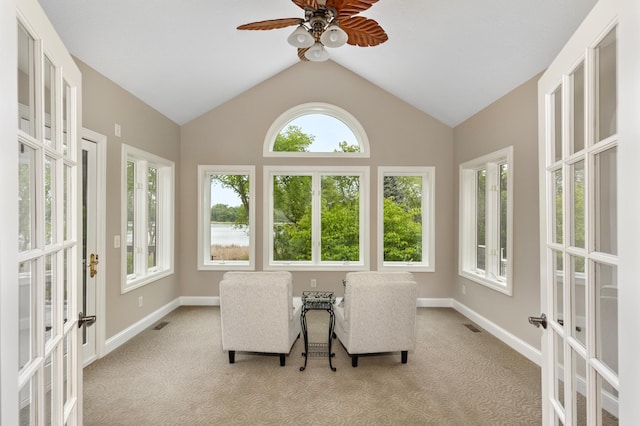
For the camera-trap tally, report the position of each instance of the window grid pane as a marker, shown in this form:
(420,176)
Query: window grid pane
(229,218)
(152,216)
(481,206)
(131,185)
(340,218)
(503,202)
(403,218)
(292,218)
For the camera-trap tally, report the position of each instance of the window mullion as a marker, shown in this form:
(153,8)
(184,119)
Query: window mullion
(491,222)
(316,219)
(140,204)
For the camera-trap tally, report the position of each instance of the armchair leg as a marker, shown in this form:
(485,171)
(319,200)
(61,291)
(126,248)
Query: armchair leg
(282,360)
(404,355)
(354,361)
(232,357)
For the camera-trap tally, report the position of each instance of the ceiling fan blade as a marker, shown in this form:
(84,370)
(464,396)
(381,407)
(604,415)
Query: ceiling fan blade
(348,8)
(271,24)
(301,52)
(303,4)
(363,31)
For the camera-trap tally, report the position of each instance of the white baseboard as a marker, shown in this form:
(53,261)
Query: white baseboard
(517,344)
(199,301)
(128,333)
(442,302)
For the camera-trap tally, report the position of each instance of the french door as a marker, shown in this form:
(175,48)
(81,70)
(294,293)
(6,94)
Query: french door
(91,266)
(49,352)
(581,144)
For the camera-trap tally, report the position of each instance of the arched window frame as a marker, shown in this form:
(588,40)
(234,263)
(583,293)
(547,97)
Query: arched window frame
(317,108)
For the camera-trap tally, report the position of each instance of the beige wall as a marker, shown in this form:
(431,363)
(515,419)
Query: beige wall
(512,120)
(104,104)
(234,133)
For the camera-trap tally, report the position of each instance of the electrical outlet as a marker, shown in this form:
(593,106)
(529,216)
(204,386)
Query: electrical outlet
(464,289)
(140,302)
(117,130)
(313,283)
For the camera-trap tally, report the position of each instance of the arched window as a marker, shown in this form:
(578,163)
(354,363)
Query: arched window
(316,130)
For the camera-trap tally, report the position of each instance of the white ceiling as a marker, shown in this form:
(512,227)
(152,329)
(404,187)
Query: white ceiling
(448,58)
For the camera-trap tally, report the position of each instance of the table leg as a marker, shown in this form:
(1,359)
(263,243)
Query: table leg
(303,322)
(332,322)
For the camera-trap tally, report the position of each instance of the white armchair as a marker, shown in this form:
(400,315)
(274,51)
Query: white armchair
(258,313)
(378,314)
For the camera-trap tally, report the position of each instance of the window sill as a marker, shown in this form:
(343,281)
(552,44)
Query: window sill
(313,267)
(407,266)
(499,286)
(226,266)
(129,285)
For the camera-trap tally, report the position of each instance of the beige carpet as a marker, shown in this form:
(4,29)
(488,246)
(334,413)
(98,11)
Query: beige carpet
(179,375)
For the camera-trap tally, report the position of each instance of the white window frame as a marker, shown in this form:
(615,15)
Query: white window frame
(316,172)
(467,255)
(427,264)
(165,222)
(316,108)
(205,263)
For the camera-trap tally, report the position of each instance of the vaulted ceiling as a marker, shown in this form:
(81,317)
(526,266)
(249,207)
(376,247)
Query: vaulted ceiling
(448,58)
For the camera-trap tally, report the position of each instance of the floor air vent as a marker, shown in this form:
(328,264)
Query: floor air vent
(160,325)
(472,328)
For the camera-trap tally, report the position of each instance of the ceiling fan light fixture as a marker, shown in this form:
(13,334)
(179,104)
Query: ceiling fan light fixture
(301,38)
(317,53)
(334,36)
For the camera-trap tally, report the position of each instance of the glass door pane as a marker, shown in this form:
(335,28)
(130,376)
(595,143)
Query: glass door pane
(607,86)
(556,144)
(606,304)
(26,197)
(577,204)
(26,82)
(558,285)
(556,205)
(578,299)
(578,110)
(49,103)
(606,225)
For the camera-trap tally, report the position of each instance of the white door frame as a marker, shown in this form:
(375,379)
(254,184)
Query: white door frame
(101,207)
(8,216)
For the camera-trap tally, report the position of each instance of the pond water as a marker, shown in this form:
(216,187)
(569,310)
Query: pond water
(227,234)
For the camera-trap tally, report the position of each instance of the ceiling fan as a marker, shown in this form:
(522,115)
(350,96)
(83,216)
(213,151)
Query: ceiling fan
(327,24)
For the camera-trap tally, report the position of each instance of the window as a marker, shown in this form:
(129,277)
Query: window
(405,218)
(316,130)
(148,217)
(485,220)
(317,217)
(226,218)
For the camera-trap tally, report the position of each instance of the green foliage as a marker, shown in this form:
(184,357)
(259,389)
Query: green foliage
(340,232)
(293,139)
(238,214)
(402,232)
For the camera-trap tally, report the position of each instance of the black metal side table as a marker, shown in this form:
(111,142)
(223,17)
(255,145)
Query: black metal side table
(317,301)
